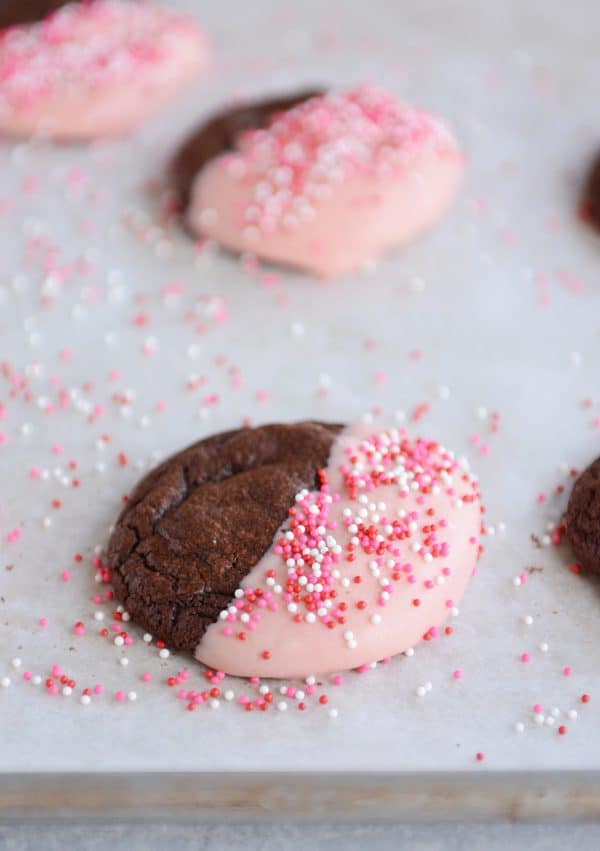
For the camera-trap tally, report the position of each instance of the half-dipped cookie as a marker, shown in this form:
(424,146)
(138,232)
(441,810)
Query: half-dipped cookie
(298,549)
(94,68)
(323,182)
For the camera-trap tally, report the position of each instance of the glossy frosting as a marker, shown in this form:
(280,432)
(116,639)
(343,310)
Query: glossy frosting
(330,183)
(94,69)
(425,509)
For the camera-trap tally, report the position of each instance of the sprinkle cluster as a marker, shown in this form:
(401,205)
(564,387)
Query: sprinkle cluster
(295,162)
(95,43)
(318,565)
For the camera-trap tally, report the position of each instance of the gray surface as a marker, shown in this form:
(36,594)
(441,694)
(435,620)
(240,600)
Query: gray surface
(507,81)
(309,835)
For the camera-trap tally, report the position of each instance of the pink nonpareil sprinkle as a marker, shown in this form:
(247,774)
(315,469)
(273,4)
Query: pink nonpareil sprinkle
(14,535)
(419,411)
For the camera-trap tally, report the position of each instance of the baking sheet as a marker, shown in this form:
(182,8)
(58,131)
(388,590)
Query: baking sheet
(497,310)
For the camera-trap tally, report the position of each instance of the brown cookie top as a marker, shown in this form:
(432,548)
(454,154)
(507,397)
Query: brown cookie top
(15,12)
(582,519)
(590,205)
(195,526)
(219,133)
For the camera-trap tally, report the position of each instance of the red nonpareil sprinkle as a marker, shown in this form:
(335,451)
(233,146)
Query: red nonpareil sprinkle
(479,756)
(585,698)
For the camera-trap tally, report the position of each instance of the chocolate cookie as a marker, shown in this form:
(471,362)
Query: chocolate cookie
(582,519)
(16,12)
(590,205)
(218,135)
(195,526)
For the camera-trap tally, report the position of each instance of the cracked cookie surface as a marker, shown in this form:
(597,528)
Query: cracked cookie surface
(194,526)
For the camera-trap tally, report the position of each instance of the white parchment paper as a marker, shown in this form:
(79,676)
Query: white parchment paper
(497,309)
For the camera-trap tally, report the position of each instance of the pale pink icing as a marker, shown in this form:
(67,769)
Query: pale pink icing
(331,183)
(441,569)
(93,70)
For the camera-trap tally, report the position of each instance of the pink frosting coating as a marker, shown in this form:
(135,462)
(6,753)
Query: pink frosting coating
(331,183)
(397,529)
(95,69)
